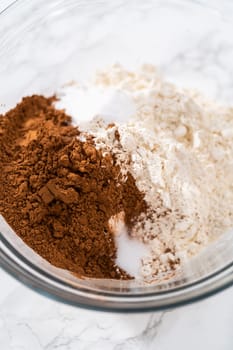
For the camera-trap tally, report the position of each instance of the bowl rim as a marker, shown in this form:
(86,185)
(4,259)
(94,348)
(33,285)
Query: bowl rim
(31,275)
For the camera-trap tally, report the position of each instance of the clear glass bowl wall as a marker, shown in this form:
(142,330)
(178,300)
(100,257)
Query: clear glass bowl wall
(44,44)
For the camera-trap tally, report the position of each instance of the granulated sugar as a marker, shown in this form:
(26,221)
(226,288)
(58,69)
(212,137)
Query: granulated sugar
(179,148)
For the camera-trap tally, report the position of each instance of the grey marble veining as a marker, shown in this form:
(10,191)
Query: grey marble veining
(30,321)
(193,47)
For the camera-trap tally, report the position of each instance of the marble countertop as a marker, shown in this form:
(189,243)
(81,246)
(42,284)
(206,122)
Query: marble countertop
(31,321)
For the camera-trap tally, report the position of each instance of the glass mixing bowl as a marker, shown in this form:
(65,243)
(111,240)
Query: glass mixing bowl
(44,44)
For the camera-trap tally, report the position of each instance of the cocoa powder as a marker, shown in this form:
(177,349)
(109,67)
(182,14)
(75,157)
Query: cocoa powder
(58,193)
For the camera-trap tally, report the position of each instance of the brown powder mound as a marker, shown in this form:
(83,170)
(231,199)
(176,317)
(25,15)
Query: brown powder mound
(58,193)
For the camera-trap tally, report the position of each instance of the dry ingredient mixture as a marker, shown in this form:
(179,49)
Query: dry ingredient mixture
(178,146)
(142,159)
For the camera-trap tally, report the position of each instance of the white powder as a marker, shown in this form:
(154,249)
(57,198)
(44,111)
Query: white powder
(89,102)
(130,252)
(179,148)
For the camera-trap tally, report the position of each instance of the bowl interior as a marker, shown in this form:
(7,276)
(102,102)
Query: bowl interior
(60,41)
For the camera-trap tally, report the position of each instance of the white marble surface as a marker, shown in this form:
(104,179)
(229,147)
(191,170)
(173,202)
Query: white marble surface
(29,321)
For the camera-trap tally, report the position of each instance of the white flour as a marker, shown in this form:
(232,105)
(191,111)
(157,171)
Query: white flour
(179,148)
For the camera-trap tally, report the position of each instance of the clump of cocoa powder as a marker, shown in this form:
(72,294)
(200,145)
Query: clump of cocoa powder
(58,193)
